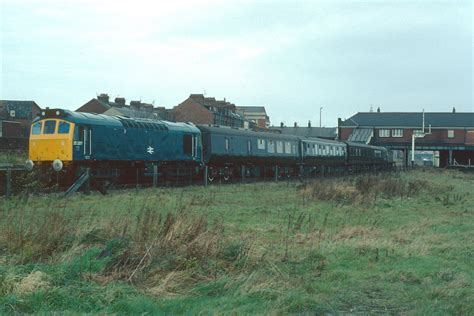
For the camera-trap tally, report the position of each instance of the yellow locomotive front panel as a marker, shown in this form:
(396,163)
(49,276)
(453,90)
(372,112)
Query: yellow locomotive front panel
(51,139)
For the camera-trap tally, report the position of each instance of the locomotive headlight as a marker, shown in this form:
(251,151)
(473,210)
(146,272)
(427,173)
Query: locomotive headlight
(57,165)
(29,164)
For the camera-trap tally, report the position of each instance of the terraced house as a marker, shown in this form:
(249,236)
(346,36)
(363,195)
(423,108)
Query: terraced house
(199,109)
(450,133)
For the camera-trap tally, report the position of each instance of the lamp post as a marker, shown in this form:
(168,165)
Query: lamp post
(320,116)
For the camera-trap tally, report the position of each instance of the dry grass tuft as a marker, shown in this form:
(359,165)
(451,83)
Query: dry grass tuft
(355,232)
(363,189)
(33,282)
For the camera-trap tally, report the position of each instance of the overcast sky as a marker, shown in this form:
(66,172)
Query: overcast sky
(291,56)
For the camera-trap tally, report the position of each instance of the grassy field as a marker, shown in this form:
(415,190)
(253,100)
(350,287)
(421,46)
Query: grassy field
(396,244)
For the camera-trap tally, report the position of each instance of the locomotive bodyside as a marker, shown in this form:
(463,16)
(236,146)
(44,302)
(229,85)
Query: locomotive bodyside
(99,141)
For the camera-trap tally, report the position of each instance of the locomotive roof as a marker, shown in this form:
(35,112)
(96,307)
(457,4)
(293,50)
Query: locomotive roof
(119,121)
(239,132)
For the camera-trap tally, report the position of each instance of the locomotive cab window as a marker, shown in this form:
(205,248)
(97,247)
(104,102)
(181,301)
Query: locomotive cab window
(36,129)
(63,127)
(187,144)
(49,127)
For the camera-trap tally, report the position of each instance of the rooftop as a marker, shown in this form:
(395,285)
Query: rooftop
(410,119)
(252,109)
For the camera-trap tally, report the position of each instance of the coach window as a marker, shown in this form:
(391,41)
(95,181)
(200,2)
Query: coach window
(36,129)
(397,133)
(187,144)
(271,146)
(384,133)
(261,144)
(288,147)
(227,144)
(451,133)
(279,145)
(63,128)
(49,127)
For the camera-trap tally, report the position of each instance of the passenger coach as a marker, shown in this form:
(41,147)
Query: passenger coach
(231,152)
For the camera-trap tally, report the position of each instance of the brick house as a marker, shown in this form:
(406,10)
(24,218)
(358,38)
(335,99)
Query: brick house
(137,109)
(451,133)
(256,114)
(199,109)
(22,112)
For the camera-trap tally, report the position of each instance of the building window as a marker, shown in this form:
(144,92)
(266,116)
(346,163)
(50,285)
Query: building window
(261,144)
(451,133)
(384,133)
(397,133)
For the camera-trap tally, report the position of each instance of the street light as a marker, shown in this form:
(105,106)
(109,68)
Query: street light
(320,116)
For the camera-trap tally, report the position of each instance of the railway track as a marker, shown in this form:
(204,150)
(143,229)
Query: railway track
(16,180)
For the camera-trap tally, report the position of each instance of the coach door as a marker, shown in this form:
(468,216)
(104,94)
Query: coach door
(83,141)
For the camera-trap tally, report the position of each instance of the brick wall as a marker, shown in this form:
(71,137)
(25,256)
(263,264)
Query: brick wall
(93,106)
(437,136)
(190,111)
(345,133)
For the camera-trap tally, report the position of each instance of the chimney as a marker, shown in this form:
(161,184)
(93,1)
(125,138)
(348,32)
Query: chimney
(296,125)
(378,109)
(120,101)
(103,97)
(454,109)
(309,124)
(282,125)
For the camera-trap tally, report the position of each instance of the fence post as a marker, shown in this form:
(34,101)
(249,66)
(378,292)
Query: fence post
(243,173)
(87,185)
(276,173)
(8,188)
(206,174)
(155,175)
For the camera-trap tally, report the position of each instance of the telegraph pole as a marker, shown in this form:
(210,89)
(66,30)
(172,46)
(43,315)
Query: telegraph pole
(320,116)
